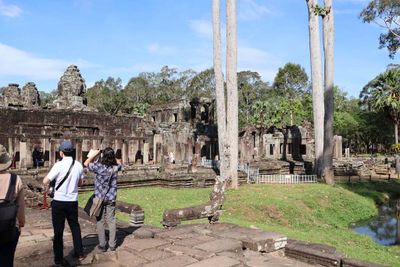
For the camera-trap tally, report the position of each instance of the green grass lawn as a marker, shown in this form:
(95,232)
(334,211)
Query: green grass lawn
(315,212)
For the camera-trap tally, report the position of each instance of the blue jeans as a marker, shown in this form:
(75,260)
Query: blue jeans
(61,210)
(7,252)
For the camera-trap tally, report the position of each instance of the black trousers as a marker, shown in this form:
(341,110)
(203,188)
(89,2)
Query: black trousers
(7,251)
(61,210)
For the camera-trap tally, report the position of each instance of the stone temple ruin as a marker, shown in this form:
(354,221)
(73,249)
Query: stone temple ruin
(173,135)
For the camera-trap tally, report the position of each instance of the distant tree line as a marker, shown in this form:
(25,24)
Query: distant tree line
(364,126)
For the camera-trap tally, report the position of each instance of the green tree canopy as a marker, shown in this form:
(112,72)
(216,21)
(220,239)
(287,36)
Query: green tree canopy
(291,80)
(107,96)
(385,13)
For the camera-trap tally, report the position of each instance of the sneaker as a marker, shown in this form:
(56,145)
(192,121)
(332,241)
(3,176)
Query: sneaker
(101,248)
(113,248)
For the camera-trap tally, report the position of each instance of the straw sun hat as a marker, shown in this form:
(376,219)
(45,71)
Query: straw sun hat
(5,159)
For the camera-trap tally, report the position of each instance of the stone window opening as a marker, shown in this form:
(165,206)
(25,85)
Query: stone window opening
(175,117)
(271,149)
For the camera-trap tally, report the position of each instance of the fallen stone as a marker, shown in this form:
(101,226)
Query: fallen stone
(256,239)
(313,253)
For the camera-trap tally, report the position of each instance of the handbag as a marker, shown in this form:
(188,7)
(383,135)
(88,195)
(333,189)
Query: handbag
(52,186)
(94,204)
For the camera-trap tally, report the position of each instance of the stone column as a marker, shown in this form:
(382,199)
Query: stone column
(22,155)
(78,149)
(11,146)
(146,153)
(46,151)
(337,147)
(125,152)
(29,150)
(52,152)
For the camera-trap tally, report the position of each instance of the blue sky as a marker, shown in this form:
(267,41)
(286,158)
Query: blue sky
(121,38)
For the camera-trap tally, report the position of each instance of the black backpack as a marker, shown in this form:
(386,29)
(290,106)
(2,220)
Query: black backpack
(8,213)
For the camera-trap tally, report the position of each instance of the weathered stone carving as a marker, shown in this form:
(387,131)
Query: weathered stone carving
(30,95)
(12,95)
(71,90)
(211,210)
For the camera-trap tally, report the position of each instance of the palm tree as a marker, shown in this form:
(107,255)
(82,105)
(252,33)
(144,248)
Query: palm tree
(383,94)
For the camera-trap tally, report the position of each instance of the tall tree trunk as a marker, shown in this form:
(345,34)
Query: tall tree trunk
(232,127)
(396,133)
(328,31)
(317,88)
(220,91)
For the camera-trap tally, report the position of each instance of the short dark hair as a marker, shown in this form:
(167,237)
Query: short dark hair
(108,157)
(68,154)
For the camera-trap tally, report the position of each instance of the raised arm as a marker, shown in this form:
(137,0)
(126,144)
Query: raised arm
(91,156)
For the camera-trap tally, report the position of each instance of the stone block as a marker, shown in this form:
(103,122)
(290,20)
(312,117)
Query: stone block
(171,233)
(313,253)
(126,258)
(155,254)
(34,237)
(192,252)
(256,239)
(177,261)
(219,245)
(220,261)
(358,263)
(143,244)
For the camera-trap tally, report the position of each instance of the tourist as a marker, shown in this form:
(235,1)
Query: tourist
(106,168)
(68,174)
(9,239)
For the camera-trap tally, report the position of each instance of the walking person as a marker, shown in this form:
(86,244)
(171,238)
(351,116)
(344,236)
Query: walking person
(11,199)
(68,174)
(106,169)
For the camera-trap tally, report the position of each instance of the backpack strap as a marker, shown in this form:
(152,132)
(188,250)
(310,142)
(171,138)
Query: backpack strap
(11,188)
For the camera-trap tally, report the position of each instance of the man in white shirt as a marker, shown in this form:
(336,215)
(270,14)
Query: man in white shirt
(68,175)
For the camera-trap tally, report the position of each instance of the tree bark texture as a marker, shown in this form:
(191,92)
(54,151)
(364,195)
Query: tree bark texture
(328,31)
(232,127)
(396,133)
(317,87)
(220,90)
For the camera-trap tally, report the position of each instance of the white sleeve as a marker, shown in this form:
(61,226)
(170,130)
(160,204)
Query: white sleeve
(54,172)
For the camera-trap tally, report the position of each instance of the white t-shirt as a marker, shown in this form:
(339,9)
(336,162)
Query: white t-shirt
(69,189)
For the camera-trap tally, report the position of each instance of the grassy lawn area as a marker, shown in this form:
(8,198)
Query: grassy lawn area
(315,212)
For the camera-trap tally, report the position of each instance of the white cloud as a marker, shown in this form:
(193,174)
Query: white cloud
(9,10)
(203,28)
(251,10)
(17,62)
(156,48)
(250,58)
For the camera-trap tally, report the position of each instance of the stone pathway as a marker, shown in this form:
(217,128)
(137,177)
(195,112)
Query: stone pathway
(189,245)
